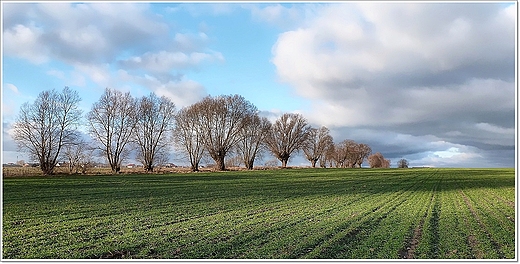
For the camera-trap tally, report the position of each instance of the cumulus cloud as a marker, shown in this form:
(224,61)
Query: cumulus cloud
(97,39)
(414,69)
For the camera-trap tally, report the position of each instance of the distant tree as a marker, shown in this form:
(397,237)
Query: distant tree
(111,123)
(327,155)
(187,136)
(155,120)
(44,127)
(73,154)
(221,120)
(287,135)
(402,163)
(252,138)
(359,153)
(317,142)
(378,161)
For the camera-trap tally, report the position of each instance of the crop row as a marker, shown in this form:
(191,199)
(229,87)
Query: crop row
(332,214)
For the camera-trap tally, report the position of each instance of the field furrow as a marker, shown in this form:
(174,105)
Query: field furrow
(279,214)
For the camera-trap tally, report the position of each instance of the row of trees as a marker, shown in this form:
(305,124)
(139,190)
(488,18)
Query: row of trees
(215,126)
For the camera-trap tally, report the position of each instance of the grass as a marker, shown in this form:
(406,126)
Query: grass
(298,213)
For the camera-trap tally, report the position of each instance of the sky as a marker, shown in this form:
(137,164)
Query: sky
(430,82)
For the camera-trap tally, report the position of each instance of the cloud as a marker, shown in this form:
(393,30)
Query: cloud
(180,90)
(95,40)
(163,61)
(78,33)
(429,69)
(12,87)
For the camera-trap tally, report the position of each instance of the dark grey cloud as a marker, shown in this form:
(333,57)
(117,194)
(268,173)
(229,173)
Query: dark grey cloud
(440,74)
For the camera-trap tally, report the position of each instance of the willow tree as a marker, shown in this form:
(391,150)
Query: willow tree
(221,119)
(44,127)
(318,140)
(111,123)
(154,123)
(187,137)
(288,134)
(252,138)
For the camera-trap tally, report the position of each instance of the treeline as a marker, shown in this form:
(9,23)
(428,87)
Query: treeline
(48,129)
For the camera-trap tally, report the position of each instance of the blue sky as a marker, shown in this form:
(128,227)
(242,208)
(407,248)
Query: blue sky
(430,82)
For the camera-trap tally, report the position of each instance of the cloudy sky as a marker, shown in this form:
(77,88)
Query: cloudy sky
(433,83)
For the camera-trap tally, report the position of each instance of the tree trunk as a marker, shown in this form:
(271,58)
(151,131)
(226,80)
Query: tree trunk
(249,163)
(221,166)
(313,163)
(284,162)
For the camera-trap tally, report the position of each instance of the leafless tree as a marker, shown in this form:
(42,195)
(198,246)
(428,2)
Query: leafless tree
(222,119)
(339,155)
(187,137)
(378,161)
(252,137)
(402,163)
(287,135)
(111,123)
(155,120)
(317,142)
(73,153)
(327,155)
(44,127)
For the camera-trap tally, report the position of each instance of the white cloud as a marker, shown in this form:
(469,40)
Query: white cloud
(164,61)
(24,41)
(428,68)
(12,87)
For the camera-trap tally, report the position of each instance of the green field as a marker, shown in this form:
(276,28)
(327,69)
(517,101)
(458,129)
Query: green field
(294,213)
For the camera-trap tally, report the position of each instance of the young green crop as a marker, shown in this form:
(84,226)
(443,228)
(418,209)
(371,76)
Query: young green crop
(294,213)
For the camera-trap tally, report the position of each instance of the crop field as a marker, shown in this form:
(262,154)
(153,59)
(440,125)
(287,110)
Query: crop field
(277,214)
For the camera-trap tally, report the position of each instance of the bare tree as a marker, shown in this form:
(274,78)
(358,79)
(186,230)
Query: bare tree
(252,138)
(327,155)
(154,117)
(73,153)
(44,127)
(287,135)
(378,161)
(222,119)
(187,137)
(339,155)
(402,163)
(363,152)
(111,122)
(317,142)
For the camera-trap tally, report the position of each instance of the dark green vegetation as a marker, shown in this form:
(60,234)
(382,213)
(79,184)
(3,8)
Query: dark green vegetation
(300,213)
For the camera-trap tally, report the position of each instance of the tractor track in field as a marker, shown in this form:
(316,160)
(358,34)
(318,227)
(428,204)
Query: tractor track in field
(472,240)
(408,252)
(368,220)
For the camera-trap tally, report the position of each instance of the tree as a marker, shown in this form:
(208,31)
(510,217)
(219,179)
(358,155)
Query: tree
(44,127)
(252,138)
(378,161)
(222,118)
(112,122)
(72,153)
(287,135)
(327,155)
(317,142)
(363,152)
(339,155)
(154,123)
(402,163)
(187,136)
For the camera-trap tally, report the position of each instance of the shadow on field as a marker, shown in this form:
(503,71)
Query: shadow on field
(272,184)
